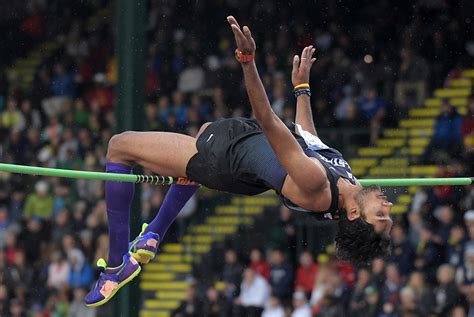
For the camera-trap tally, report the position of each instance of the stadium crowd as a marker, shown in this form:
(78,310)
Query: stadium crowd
(374,63)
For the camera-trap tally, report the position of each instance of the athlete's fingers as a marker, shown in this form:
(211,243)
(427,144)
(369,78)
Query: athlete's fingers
(313,60)
(239,36)
(247,33)
(232,20)
(296,63)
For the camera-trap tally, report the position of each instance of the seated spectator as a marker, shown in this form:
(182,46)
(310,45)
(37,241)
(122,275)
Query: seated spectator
(12,118)
(231,274)
(402,250)
(410,89)
(300,305)
(40,203)
(421,292)
(77,307)
(254,293)
(446,139)
(429,254)
(392,285)
(282,233)
(408,304)
(372,302)
(444,215)
(281,276)
(465,272)
(357,300)
(191,307)
(372,108)
(273,308)
(446,294)
(59,271)
(455,246)
(258,264)
(306,274)
(214,304)
(81,273)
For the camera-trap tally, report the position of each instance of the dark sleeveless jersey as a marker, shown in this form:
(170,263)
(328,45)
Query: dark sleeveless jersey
(334,164)
(235,156)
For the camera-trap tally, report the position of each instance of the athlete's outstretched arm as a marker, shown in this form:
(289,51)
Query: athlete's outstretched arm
(288,151)
(300,75)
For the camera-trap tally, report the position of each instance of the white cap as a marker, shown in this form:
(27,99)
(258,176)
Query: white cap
(469,215)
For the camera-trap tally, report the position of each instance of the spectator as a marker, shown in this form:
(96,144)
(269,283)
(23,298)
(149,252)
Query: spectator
(408,304)
(423,296)
(254,293)
(446,294)
(372,108)
(59,271)
(410,89)
(282,234)
(281,276)
(39,204)
(430,254)
(81,273)
(258,264)
(447,139)
(306,274)
(357,300)
(300,305)
(231,274)
(12,118)
(214,304)
(402,250)
(191,307)
(273,308)
(77,307)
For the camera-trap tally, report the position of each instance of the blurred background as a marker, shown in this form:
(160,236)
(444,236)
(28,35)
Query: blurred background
(391,89)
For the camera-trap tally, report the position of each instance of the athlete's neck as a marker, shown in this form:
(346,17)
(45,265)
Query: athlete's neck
(347,194)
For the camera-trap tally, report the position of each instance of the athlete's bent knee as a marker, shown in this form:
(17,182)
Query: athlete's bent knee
(118,144)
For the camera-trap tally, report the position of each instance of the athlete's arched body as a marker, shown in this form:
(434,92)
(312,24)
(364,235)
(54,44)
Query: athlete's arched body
(245,156)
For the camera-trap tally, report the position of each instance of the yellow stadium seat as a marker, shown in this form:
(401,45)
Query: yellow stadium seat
(395,133)
(163,304)
(436,102)
(399,208)
(394,162)
(155,313)
(418,132)
(428,170)
(424,112)
(416,123)
(461,83)
(452,92)
(469,73)
(362,162)
(153,286)
(168,267)
(404,199)
(173,248)
(161,276)
(419,142)
(171,295)
(375,151)
(390,142)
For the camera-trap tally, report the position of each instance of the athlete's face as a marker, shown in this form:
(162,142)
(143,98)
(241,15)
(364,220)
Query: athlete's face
(376,211)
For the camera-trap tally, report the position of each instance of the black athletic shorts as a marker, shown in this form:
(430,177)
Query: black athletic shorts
(235,156)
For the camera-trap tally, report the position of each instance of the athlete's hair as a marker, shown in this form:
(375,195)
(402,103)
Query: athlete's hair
(356,240)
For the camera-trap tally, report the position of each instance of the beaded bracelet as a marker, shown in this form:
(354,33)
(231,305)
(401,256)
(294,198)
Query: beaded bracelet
(304,91)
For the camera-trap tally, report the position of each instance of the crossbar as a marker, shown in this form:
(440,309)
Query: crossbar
(168,180)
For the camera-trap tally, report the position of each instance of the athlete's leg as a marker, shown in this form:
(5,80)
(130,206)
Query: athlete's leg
(176,198)
(164,153)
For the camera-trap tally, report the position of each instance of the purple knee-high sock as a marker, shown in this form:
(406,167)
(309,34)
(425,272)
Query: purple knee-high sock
(118,197)
(176,198)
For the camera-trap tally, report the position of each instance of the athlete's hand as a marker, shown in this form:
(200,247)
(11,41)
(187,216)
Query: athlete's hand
(243,37)
(302,66)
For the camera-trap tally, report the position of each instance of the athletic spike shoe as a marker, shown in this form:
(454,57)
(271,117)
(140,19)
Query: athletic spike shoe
(145,246)
(111,280)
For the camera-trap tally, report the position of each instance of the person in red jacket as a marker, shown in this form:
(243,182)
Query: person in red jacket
(258,264)
(306,273)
